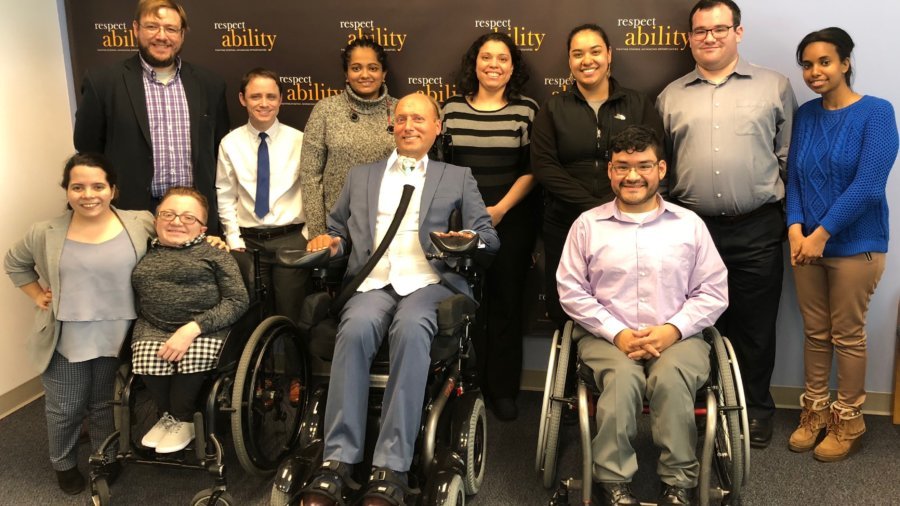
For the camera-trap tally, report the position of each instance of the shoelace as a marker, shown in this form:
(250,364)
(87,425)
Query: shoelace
(168,421)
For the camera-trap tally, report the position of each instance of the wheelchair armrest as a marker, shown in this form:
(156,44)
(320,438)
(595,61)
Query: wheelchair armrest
(302,259)
(452,313)
(456,245)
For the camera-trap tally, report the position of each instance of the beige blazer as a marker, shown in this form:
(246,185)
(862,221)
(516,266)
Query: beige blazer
(36,258)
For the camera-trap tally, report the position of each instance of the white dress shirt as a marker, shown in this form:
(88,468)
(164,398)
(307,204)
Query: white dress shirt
(403,265)
(236,180)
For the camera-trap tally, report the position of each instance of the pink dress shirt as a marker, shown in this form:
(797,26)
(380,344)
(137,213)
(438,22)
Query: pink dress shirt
(616,274)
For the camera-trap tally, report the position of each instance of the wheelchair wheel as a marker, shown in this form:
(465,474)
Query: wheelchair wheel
(278,498)
(213,497)
(100,495)
(448,491)
(264,423)
(472,438)
(731,441)
(551,412)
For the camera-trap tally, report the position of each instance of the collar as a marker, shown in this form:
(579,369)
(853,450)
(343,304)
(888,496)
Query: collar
(361,105)
(742,68)
(151,72)
(421,164)
(154,243)
(272,132)
(611,211)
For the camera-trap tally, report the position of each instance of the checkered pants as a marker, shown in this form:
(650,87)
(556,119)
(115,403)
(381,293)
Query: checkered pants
(71,390)
(200,356)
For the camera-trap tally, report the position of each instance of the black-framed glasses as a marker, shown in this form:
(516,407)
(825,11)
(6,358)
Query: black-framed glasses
(718,32)
(186,219)
(153,28)
(641,168)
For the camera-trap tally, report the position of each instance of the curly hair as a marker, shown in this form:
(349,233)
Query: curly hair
(636,138)
(467,79)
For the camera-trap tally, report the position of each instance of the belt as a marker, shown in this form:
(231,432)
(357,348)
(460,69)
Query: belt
(746,216)
(260,233)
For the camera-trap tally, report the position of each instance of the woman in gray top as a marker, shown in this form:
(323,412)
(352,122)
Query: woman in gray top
(189,293)
(76,268)
(346,130)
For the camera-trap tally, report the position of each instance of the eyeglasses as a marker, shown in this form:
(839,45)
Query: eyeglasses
(643,168)
(154,29)
(718,32)
(186,219)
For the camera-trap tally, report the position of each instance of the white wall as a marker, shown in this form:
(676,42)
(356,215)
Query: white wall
(35,139)
(772,29)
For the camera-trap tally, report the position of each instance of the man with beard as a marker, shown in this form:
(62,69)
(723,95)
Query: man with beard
(157,118)
(643,277)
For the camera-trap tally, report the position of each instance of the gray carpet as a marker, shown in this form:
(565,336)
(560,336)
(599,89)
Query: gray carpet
(778,476)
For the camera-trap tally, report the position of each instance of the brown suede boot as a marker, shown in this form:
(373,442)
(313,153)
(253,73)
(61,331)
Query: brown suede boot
(813,420)
(844,429)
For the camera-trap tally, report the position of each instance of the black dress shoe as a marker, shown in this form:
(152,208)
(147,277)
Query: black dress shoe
(616,494)
(71,481)
(674,495)
(760,432)
(505,409)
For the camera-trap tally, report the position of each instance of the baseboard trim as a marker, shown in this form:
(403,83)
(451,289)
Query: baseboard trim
(877,403)
(11,401)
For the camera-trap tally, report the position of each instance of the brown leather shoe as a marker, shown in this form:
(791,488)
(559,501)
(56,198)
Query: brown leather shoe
(813,421)
(844,431)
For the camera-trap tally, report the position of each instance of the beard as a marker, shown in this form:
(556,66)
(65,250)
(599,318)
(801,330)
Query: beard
(152,60)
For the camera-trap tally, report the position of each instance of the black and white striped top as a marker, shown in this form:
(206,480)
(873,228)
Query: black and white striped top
(493,143)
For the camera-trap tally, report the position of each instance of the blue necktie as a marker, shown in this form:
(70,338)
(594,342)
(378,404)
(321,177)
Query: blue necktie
(262,177)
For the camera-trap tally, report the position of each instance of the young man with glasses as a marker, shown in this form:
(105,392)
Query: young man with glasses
(728,127)
(157,118)
(643,277)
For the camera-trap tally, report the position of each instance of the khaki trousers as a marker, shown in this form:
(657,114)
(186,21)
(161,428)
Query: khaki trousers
(834,295)
(670,383)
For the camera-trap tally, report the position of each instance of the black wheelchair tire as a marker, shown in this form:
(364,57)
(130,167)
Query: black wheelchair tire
(551,441)
(204,497)
(729,444)
(475,447)
(278,497)
(449,491)
(246,448)
(100,495)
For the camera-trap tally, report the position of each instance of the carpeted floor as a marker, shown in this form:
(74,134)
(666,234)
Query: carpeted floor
(778,476)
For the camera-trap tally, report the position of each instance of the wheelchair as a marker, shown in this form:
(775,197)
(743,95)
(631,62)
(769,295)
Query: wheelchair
(720,412)
(247,393)
(449,462)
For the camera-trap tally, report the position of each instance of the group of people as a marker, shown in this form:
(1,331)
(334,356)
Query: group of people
(658,218)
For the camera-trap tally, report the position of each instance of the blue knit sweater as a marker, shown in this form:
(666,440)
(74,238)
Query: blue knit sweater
(838,167)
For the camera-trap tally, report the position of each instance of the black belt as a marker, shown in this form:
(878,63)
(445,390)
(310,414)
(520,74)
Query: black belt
(260,233)
(746,216)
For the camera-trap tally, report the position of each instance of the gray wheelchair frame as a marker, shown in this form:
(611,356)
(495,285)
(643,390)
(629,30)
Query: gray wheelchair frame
(725,438)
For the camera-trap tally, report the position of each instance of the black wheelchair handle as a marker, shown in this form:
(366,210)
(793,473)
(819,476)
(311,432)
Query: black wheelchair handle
(302,259)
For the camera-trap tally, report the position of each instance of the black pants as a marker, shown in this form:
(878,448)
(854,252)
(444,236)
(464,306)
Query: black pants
(286,287)
(498,338)
(175,394)
(751,247)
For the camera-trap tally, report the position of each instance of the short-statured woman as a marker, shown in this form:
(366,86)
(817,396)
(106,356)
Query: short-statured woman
(77,270)
(189,293)
(570,144)
(489,123)
(346,130)
(843,146)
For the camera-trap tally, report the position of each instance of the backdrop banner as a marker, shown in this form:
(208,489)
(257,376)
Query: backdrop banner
(425,42)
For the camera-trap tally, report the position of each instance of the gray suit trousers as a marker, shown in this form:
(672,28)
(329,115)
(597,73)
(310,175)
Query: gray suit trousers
(670,383)
(410,324)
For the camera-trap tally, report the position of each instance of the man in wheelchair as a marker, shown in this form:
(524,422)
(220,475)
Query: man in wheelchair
(397,299)
(644,278)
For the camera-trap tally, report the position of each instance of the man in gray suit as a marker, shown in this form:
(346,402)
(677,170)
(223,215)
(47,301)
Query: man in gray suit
(398,299)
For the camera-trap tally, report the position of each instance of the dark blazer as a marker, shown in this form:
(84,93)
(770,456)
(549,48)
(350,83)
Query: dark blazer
(446,187)
(112,119)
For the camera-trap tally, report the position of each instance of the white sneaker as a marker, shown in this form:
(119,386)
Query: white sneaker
(156,434)
(178,437)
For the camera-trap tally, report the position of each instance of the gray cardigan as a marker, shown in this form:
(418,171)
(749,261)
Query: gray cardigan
(36,258)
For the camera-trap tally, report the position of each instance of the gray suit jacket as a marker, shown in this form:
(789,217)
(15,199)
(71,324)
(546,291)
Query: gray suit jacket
(446,187)
(36,258)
